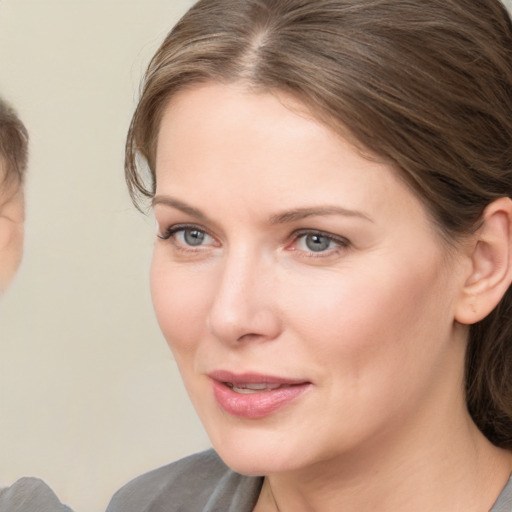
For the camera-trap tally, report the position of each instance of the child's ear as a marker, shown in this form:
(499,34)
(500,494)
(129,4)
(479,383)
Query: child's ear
(491,264)
(12,216)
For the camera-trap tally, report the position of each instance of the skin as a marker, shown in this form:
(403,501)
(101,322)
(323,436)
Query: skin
(370,321)
(11,230)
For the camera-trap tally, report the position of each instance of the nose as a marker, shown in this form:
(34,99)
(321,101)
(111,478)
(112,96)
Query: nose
(244,305)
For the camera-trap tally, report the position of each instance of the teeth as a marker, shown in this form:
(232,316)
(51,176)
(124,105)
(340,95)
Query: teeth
(245,391)
(252,388)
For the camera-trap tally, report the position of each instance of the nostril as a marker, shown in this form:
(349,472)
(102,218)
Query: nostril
(249,336)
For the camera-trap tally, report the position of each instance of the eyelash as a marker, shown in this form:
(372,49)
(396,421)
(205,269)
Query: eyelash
(171,231)
(341,243)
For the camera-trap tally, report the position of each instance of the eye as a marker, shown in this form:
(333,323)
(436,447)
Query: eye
(318,242)
(192,237)
(187,236)
(315,242)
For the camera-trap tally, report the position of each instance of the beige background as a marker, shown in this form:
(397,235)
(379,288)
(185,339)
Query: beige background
(89,394)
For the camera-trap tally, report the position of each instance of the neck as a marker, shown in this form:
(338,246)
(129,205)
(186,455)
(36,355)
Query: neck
(459,471)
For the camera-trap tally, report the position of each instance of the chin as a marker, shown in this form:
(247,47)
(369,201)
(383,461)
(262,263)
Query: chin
(257,451)
(252,462)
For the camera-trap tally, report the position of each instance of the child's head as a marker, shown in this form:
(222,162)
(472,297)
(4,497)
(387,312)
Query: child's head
(13,163)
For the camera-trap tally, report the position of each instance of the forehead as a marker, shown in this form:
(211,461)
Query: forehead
(201,106)
(216,126)
(261,119)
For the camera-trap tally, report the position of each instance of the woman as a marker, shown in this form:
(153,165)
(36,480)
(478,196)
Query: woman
(331,181)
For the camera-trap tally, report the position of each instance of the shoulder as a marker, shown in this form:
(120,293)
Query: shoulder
(200,482)
(504,501)
(30,495)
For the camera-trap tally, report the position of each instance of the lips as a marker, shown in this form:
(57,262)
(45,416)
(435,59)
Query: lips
(253,395)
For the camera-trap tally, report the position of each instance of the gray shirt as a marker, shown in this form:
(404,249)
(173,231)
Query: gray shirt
(203,483)
(30,495)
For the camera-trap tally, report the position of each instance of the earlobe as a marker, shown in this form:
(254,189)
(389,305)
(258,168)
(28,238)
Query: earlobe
(491,264)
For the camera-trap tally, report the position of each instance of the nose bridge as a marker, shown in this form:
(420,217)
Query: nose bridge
(242,306)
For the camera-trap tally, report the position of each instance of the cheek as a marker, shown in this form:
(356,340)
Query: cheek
(181,303)
(11,250)
(371,317)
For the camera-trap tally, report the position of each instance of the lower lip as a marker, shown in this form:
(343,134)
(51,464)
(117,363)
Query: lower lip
(256,405)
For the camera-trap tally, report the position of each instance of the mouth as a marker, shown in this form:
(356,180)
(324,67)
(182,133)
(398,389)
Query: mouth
(253,395)
(247,389)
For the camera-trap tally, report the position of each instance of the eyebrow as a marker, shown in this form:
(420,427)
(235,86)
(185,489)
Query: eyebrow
(321,211)
(179,205)
(281,218)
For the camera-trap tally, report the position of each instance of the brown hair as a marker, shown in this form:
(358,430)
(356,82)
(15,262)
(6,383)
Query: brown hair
(424,84)
(13,146)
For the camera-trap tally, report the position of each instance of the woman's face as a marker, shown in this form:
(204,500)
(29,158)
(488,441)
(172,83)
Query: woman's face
(302,288)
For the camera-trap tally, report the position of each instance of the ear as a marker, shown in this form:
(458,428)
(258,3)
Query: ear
(491,264)
(12,216)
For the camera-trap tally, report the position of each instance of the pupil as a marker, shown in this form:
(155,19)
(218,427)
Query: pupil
(194,237)
(317,243)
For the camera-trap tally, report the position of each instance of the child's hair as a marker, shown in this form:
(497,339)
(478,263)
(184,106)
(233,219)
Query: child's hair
(13,146)
(426,85)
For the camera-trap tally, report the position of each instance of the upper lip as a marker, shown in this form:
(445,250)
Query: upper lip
(252,378)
